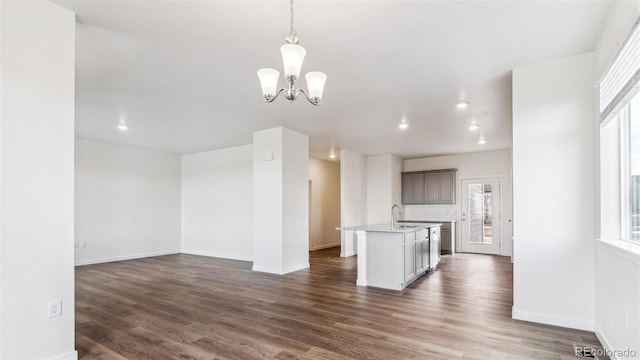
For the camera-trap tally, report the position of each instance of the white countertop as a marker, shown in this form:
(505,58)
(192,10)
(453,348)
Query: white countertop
(425,221)
(399,228)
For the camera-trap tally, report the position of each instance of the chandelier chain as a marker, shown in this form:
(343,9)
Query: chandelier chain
(292,31)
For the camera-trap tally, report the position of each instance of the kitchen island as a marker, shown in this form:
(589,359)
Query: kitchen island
(392,257)
(447,233)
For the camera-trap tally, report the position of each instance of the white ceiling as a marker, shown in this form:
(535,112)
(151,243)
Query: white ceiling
(183,73)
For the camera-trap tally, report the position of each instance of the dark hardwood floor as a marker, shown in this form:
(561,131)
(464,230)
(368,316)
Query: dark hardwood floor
(194,307)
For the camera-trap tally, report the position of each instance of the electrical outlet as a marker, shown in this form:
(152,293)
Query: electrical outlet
(83,244)
(76,245)
(55,308)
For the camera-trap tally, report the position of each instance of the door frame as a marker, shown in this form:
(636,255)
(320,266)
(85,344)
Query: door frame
(459,196)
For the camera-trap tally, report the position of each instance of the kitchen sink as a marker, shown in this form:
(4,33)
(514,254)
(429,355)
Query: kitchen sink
(405,226)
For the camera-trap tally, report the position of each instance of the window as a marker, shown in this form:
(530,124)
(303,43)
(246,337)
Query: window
(620,173)
(620,144)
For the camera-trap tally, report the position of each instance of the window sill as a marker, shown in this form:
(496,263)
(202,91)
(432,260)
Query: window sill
(625,249)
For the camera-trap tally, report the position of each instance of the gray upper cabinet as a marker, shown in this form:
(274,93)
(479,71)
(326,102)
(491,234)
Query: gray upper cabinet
(429,187)
(413,188)
(446,187)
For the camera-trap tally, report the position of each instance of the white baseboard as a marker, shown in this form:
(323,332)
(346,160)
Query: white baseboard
(280,271)
(325,246)
(267,269)
(296,267)
(361,282)
(72,355)
(125,257)
(605,343)
(347,254)
(552,320)
(217,254)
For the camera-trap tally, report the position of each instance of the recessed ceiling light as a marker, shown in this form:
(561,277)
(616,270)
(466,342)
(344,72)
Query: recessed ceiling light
(462,105)
(474,127)
(403,124)
(123,127)
(482,141)
(332,156)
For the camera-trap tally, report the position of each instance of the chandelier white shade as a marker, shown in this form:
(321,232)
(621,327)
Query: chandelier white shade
(292,57)
(268,81)
(315,83)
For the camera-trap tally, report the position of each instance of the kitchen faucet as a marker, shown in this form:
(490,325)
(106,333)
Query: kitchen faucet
(393,218)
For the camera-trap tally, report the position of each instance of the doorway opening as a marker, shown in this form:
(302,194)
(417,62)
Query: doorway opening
(324,204)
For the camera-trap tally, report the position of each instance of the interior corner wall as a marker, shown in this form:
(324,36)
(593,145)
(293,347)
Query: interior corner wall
(324,216)
(217,203)
(36,180)
(353,198)
(295,200)
(471,165)
(617,27)
(553,187)
(280,201)
(127,202)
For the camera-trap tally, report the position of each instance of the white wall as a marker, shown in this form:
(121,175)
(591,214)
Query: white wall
(267,201)
(324,216)
(384,187)
(378,189)
(36,180)
(397,164)
(617,280)
(481,164)
(280,201)
(295,200)
(553,192)
(617,294)
(127,202)
(217,203)
(353,197)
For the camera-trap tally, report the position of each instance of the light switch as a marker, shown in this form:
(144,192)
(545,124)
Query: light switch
(268,156)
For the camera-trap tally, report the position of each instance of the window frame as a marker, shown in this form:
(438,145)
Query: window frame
(617,87)
(625,162)
(622,117)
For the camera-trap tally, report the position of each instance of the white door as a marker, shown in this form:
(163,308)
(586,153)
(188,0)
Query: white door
(480,216)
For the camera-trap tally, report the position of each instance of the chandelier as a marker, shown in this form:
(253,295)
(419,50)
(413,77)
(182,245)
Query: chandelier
(292,57)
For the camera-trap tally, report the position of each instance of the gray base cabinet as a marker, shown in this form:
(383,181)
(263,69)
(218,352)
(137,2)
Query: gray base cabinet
(409,261)
(448,237)
(395,260)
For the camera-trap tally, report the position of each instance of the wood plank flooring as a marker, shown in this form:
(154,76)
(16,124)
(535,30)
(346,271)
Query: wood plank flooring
(193,307)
